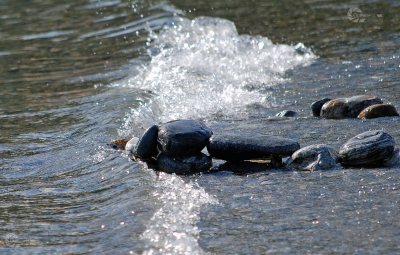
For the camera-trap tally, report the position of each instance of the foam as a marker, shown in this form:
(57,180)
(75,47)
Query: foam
(203,67)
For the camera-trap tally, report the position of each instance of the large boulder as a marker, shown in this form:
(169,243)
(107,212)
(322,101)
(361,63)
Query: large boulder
(371,148)
(347,107)
(181,138)
(231,147)
(314,157)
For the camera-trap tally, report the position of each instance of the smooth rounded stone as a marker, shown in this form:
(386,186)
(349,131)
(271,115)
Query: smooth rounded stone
(347,107)
(317,105)
(131,144)
(182,138)
(118,144)
(189,165)
(314,157)
(146,147)
(377,111)
(236,148)
(286,113)
(367,149)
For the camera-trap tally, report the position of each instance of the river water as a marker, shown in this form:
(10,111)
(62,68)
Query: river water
(75,75)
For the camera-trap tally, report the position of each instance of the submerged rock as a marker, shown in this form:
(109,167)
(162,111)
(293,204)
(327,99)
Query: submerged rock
(378,110)
(367,149)
(189,165)
(316,106)
(232,147)
(314,157)
(286,113)
(182,138)
(147,145)
(118,144)
(347,107)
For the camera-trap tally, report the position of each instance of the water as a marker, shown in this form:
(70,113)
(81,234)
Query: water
(76,75)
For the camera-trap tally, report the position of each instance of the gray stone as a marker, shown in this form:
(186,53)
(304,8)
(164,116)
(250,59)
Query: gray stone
(147,145)
(286,113)
(367,149)
(314,157)
(316,106)
(347,107)
(231,147)
(182,138)
(188,165)
(394,160)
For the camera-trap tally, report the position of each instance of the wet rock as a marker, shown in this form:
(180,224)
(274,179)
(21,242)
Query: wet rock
(131,144)
(314,157)
(378,110)
(316,106)
(147,145)
(236,148)
(394,160)
(182,138)
(347,107)
(118,144)
(188,165)
(371,148)
(286,113)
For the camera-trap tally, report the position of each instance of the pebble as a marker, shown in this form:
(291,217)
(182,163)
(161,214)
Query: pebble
(377,111)
(286,113)
(231,147)
(347,107)
(367,149)
(314,157)
(316,106)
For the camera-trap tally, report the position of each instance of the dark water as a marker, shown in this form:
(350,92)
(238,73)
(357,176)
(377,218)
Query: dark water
(78,74)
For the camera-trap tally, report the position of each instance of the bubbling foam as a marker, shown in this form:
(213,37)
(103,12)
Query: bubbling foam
(204,67)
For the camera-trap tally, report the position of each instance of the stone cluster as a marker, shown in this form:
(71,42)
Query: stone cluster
(362,107)
(177,147)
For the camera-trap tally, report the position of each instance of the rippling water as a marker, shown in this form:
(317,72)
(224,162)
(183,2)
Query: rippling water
(76,75)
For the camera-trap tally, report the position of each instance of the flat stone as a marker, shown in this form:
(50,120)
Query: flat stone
(147,144)
(314,157)
(182,138)
(377,111)
(367,149)
(317,105)
(189,165)
(347,107)
(286,113)
(231,147)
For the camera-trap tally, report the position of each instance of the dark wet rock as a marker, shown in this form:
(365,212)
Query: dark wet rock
(286,113)
(118,144)
(394,160)
(247,167)
(347,107)
(377,111)
(181,138)
(147,145)
(367,149)
(316,106)
(236,148)
(189,165)
(314,157)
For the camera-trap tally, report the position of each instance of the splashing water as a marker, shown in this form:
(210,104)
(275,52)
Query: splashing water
(172,229)
(204,67)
